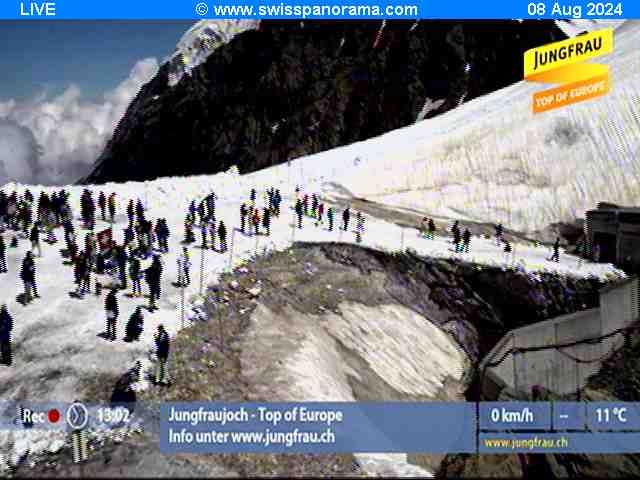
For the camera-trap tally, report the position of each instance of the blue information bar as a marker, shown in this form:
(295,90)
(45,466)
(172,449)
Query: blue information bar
(320,9)
(569,416)
(600,442)
(318,427)
(515,416)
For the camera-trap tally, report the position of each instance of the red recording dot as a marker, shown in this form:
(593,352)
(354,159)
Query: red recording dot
(54,415)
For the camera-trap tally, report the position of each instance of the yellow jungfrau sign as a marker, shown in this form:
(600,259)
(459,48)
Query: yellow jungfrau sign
(560,62)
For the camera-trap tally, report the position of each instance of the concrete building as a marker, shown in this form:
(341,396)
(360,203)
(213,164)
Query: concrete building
(543,363)
(616,231)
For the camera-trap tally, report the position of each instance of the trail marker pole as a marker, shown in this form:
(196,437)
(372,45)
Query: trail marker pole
(233,235)
(401,239)
(182,305)
(201,269)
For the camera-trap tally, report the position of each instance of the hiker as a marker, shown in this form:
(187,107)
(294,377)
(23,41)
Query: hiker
(102,203)
(456,238)
(314,205)
(266,221)
(345,218)
(299,211)
(466,240)
(134,273)
(185,265)
(330,214)
(112,206)
(140,211)
(162,232)
(203,235)
(35,238)
(222,233)
(130,211)
(162,352)
(256,221)
(201,212)
(135,326)
(28,277)
(3,255)
(431,227)
(243,217)
(320,214)
(124,395)
(556,251)
(507,251)
(111,306)
(305,204)
(499,233)
(153,277)
(359,226)
(423,227)
(6,325)
(278,201)
(213,232)
(252,197)
(121,259)
(85,275)
(189,236)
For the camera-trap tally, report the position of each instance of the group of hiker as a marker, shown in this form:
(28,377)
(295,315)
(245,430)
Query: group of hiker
(312,206)
(53,211)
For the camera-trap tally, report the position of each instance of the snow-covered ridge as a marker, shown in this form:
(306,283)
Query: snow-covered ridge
(200,41)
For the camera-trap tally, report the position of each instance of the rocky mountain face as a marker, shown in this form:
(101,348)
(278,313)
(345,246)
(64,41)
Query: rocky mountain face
(290,89)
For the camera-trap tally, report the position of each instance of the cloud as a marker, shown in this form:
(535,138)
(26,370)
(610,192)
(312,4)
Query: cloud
(56,141)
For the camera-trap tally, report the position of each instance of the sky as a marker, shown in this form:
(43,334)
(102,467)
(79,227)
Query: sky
(65,85)
(38,56)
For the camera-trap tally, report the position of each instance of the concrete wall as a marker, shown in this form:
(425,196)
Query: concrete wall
(555,369)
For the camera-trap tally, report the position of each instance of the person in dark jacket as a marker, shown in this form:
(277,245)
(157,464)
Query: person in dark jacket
(35,238)
(111,306)
(431,229)
(135,326)
(121,258)
(222,234)
(499,232)
(330,213)
(6,326)
(266,221)
(131,211)
(3,255)
(28,277)
(153,277)
(243,217)
(345,218)
(102,203)
(112,206)
(457,239)
(134,273)
(124,395)
(162,352)
(84,272)
(556,251)
(466,240)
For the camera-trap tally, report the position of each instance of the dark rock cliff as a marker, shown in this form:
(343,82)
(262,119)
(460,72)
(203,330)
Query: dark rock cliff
(289,90)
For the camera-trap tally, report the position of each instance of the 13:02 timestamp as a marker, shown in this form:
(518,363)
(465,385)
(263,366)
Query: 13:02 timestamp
(113,415)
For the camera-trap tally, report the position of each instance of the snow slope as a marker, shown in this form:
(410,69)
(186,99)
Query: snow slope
(490,159)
